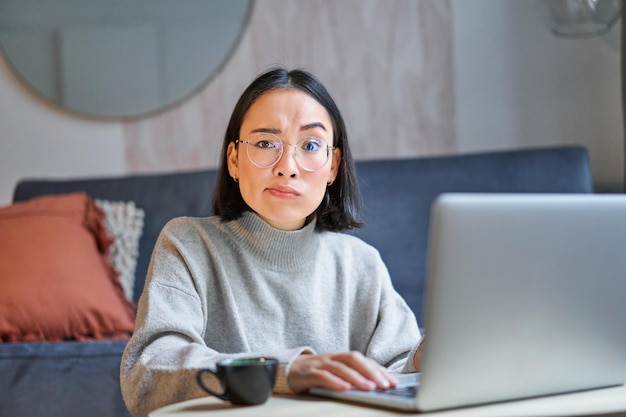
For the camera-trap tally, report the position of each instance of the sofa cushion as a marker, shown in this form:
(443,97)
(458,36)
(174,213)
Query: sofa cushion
(57,282)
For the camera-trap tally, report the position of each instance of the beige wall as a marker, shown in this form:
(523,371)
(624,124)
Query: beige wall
(37,140)
(517,85)
(387,63)
(417,76)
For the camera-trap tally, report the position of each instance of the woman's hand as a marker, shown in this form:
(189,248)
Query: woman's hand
(338,371)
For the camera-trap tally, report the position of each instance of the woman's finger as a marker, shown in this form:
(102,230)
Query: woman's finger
(368,369)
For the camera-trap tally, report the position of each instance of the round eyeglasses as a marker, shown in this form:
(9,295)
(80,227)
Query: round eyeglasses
(265,150)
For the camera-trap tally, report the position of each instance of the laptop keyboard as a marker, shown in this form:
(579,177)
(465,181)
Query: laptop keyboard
(406,391)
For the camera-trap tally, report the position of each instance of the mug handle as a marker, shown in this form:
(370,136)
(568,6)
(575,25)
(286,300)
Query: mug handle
(224,396)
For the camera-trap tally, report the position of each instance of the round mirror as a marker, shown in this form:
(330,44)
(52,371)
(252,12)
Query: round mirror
(117,58)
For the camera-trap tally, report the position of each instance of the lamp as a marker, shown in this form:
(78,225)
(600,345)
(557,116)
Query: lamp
(583,18)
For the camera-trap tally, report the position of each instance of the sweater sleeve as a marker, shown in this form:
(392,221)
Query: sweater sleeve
(161,360)
(396,335)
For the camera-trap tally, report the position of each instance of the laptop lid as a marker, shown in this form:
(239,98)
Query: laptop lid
(526,296)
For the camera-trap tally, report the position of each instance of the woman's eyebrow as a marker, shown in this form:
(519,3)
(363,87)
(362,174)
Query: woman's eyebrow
(276,131)
(313,126)
(272,130)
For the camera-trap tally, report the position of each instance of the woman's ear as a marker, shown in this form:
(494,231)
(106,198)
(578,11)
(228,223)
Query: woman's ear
(334,166)
(233,160)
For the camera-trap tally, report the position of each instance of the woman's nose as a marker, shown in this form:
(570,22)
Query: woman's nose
(287,165)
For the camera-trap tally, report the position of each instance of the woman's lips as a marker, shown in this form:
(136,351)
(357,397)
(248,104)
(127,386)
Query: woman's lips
(283,192)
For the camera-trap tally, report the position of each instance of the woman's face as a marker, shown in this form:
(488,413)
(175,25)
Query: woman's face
(284,194)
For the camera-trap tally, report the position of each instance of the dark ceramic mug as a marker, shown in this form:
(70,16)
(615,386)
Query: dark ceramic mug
(246,381)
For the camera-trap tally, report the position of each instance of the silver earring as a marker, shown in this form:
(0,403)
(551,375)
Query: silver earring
(236,179)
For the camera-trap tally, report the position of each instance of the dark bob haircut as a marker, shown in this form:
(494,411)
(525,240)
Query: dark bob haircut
(340,206)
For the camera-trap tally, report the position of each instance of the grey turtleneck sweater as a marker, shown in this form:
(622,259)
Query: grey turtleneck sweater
(218,290)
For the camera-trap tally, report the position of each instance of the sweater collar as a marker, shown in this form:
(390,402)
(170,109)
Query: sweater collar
(274,248)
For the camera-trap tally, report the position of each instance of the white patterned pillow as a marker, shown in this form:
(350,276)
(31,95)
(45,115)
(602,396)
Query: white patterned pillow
(124,222)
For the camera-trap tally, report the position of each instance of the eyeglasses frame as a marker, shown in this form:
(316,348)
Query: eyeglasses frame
(329,150)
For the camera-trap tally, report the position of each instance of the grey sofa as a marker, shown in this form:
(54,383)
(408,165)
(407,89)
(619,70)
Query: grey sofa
(82,378)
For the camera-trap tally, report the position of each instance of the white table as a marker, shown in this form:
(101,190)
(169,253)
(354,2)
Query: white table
(603,402)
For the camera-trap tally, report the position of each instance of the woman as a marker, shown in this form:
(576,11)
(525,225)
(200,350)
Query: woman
(270,274)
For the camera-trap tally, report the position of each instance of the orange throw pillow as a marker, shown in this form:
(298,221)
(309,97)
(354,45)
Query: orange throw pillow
(56,278)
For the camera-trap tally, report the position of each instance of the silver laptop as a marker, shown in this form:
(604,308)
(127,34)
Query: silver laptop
(525,297)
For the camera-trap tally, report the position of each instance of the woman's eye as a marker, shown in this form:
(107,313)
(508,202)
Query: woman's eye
(312,145)
(265,144)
